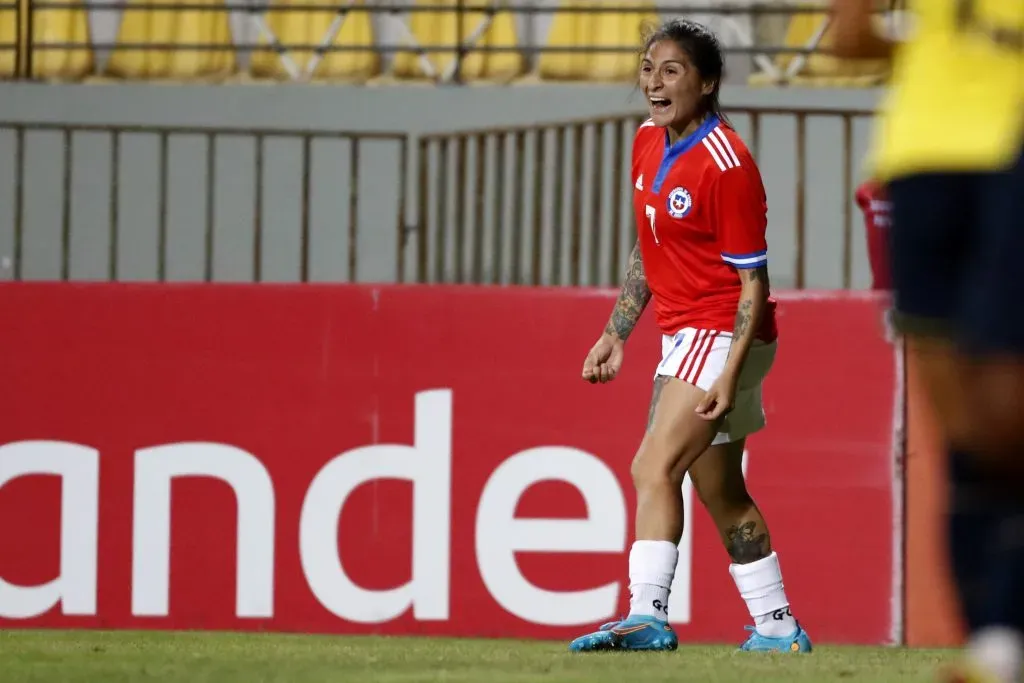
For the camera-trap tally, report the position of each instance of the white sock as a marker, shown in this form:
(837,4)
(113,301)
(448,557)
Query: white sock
(999,651)
(652,564)
(760,586)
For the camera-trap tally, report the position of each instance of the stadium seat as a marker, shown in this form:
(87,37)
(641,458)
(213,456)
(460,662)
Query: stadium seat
(441,28)
(9,36)
(311,28)
(169,27)
(820,69)
(574,29)
(65,25)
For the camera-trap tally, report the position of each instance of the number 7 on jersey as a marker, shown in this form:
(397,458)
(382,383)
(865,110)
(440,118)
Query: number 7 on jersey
(649,210)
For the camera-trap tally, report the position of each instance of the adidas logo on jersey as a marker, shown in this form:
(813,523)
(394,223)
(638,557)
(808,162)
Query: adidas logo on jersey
(640,182)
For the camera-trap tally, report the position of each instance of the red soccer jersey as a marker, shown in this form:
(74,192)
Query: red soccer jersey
(701,214)
(874,203)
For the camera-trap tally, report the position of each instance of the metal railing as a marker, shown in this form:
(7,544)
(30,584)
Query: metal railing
(553,200)
(253,201)
(737,22)
(543,204)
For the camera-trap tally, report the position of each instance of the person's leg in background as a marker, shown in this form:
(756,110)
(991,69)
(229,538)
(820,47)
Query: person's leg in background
(987,507)
(986,533)
(955,293)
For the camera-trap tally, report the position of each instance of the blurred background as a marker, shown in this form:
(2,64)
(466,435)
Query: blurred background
(424,141)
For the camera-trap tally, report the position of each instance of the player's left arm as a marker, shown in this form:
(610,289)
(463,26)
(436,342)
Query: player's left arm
(753,302)
(741,214)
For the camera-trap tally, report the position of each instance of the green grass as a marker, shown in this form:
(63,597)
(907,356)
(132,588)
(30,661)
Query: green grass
(123,657)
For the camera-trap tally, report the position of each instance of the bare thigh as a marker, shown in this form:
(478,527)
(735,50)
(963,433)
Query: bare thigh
(676,435)
(943,378)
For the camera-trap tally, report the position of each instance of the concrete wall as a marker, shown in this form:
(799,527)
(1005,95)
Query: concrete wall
(415,110)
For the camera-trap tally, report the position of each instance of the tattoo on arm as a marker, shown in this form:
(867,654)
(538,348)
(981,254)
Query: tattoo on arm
(632,299)
(761,274)
(746,312)
(745,545)
(742,322)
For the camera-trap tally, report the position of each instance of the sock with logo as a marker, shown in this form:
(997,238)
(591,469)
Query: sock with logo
(652,564)
(760,586)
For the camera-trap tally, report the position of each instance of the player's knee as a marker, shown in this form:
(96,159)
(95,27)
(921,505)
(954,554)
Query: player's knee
(726,502)
(994,415)
(724,499)
(653,466)
(646,471)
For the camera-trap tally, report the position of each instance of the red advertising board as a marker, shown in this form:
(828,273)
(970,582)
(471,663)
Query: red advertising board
(405,460)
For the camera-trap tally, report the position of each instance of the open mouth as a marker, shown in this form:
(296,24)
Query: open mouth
(659,105)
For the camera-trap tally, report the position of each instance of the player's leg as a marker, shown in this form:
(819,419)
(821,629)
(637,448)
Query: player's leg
(931,243)
(945,296)
(675,437)
(991,326)
(987,506)
(720,486)
(930,246)
(987,554)
(718,480)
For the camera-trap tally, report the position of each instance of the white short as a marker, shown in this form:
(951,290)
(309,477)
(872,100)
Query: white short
(698,357)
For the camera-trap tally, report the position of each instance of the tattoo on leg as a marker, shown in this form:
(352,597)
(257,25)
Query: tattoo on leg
(659,383)
(744,546)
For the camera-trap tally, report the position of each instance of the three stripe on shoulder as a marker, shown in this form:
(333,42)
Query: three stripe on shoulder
(721,149)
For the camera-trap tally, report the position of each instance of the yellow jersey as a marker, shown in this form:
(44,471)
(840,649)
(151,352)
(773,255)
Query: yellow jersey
(956,101)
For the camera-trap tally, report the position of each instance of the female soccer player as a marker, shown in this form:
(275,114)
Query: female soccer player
(950,147)
(701,255)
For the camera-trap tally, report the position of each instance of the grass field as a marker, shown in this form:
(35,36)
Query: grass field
(103,657)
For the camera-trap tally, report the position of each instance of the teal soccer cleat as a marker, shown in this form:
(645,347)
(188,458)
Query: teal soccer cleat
(632,633)
(798,641)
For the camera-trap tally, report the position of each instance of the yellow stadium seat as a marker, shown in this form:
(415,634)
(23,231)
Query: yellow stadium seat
(596,30)
(9,36)
(173,27)
(310,28)
(819,68)
(440,28)
(66,25)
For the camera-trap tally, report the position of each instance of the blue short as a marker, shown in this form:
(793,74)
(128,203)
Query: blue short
(957,253)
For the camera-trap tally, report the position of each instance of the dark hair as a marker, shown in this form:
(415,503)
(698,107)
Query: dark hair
(702,47)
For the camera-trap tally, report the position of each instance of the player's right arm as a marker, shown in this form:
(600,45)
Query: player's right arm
(605,358)
(633,298)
